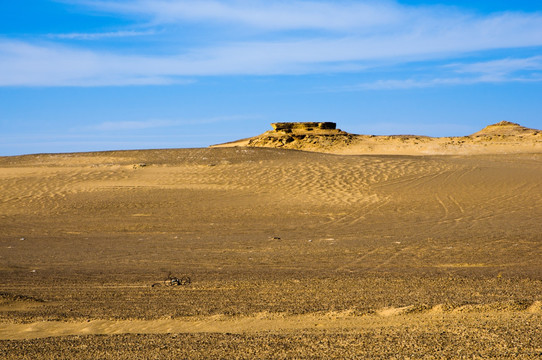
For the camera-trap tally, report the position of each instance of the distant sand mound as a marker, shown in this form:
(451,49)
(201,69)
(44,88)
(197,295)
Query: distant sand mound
(506,128)
(503,137)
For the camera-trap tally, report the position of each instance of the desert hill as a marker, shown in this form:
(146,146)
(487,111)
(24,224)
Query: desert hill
(503,137)
(505,128)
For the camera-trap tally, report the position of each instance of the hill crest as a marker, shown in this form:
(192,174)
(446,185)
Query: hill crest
(505,128)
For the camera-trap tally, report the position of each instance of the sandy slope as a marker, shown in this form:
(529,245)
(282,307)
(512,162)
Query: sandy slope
(284,247)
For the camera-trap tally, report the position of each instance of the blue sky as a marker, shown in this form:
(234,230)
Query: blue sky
(86,75)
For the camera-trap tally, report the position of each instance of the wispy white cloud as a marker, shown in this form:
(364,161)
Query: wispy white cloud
(401,84)
(350,36)
(162,123)
(270,15)
(501,66)
(132,125)
(100,36)
(24,64)
(494,71)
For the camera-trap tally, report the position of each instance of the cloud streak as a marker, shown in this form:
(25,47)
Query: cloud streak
(337,37)
(501,66)
(269,15)
(164,123)
(100,36)
(487,72)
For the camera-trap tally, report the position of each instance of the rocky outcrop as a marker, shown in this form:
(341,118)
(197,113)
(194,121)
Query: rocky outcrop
(303,126)
(302,141)
(302,136)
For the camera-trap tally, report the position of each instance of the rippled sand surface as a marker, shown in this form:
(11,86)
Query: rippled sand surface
(291,254)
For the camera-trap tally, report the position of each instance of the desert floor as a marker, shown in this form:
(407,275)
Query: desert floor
(291,255)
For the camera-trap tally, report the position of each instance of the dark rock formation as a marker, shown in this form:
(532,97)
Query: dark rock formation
(307,126)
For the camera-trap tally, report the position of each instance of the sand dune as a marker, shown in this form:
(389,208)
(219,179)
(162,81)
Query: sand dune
(286,249)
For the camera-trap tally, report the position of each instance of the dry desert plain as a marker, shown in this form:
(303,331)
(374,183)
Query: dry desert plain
(292,254)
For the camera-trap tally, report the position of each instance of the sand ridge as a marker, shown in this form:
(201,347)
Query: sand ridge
(264,321)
